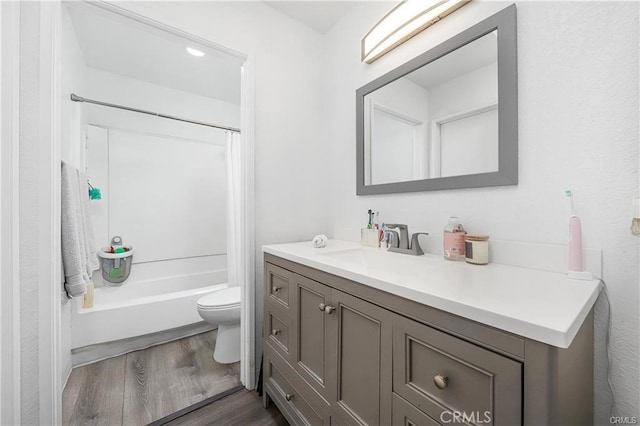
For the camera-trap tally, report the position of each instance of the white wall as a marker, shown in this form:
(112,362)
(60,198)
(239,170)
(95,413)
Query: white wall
(166,196)
(471,90)
(578,129)
(474,90)
(118,89)
(291,153)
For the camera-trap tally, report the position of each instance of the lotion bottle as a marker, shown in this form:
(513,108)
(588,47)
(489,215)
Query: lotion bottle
(454,235)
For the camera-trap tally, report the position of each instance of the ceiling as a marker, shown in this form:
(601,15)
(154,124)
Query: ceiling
(477,54)
(117,45)
(318,15)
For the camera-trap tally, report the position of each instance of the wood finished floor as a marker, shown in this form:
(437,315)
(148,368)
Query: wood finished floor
(239,409)
(143,386)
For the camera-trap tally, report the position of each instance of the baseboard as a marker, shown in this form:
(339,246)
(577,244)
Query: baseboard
(66,373)
(98,352)
(195,406)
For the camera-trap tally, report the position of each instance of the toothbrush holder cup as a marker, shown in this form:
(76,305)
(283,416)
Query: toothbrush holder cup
(370,237)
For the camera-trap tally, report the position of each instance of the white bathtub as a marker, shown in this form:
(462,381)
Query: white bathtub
(155,298)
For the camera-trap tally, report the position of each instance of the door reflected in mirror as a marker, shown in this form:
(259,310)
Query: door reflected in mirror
(438,121)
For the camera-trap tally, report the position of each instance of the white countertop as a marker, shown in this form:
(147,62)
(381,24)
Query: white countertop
(545,306)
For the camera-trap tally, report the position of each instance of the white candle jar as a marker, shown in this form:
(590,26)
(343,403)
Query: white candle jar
(477,249)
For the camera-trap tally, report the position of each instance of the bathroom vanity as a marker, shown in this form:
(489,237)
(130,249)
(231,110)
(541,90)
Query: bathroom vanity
(356,335)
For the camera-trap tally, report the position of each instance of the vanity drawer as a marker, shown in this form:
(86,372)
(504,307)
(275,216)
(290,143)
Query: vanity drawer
(277,329)
(440,373)
(299,403)
(278,283)
(405,414)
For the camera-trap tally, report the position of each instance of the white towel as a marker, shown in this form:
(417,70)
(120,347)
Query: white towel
(320,241)
(76,251)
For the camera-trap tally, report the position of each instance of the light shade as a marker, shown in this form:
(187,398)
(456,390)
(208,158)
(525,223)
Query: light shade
(403,22)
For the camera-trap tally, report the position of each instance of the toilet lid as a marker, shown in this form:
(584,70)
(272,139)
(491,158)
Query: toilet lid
(220,298)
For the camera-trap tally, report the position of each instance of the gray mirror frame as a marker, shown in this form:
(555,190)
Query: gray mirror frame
(507,174)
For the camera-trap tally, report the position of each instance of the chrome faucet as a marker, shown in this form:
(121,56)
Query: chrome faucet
(403,245)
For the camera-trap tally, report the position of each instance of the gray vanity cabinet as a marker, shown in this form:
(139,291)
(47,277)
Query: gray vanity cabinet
(338,352)
(339,347)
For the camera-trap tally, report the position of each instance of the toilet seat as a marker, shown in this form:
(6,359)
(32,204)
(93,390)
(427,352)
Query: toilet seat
(221,299)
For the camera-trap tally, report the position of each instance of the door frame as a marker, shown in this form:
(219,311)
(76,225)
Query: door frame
(9,214)
(50,23)
(247,309)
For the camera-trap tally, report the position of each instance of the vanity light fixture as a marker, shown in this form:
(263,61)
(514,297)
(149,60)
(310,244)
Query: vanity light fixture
(403,22)
(195,52)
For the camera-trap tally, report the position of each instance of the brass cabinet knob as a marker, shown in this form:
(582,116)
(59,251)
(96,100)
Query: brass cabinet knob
(322,306)
(288,396)
(440,381)
(275,288)
(275,332)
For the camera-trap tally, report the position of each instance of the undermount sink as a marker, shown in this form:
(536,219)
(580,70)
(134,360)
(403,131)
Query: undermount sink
(355,255)
(372,258)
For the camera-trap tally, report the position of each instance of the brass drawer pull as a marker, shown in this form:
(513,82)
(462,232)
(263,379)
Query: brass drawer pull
(288,396)
(275,288)
(275,332)
(440,381)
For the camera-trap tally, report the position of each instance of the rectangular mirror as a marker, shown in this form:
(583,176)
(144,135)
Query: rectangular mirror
(446,119)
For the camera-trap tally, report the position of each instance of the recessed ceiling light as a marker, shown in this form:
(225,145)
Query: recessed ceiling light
(195,52)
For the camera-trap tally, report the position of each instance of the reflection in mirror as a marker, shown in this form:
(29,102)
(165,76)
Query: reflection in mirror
(437,121)
(446,119)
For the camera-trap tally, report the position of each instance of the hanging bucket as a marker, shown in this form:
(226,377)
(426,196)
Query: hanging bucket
(116,267)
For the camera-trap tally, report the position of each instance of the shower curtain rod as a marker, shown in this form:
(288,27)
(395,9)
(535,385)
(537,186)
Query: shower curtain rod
(76,98)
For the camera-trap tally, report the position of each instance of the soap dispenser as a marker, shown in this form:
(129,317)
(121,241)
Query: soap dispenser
(454,235)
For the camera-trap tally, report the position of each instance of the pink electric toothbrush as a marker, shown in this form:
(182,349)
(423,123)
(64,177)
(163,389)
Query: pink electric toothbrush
(575,244)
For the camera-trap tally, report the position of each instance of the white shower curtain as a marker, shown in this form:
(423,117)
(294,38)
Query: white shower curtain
(235,211)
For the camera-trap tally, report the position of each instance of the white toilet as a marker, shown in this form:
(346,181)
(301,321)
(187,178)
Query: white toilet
(222,308)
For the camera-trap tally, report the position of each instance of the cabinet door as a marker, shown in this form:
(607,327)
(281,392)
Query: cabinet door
(362,335)
(448,378)
(311,354)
